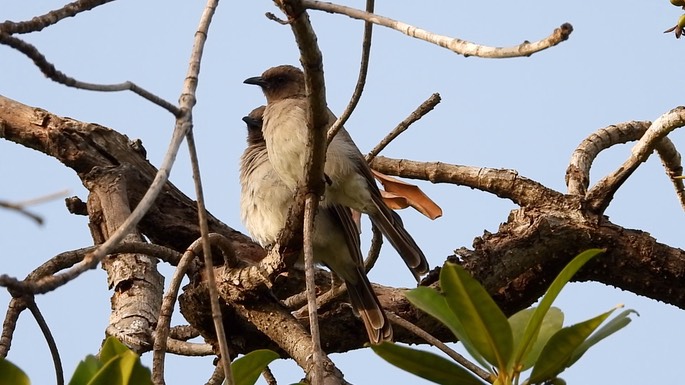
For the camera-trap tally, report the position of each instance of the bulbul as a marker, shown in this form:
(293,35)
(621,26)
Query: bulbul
(264,203)
(351,182)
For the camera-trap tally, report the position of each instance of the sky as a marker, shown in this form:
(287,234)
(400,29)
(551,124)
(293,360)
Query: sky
(526,114)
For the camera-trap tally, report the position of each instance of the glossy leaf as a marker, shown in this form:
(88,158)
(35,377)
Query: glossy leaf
(434,304)
(10,374)
(538,316)
(553,321)
(111,348)
(85,370)
(247,369)
(611,327)
(425,365)
(123,369)
(557,353)
(484,323)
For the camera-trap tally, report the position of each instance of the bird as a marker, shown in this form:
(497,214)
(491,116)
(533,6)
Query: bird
(349,179)
(264,203)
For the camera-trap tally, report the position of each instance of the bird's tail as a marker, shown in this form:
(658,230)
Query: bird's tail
(390,224)
(368,308)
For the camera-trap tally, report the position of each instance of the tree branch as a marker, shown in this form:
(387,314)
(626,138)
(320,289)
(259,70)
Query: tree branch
(503,183)
(37,23)
(459,46)
(49,70)
(361,79)
(603,192)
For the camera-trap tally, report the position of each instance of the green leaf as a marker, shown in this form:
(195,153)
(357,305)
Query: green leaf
(425,365)
(556,354)
(109,374)
(611,327)
(85,370)
(10,374)
(246,369)
(553,321)
(111,348)
(123,369)
(434,304)
(560,281)
(484,323)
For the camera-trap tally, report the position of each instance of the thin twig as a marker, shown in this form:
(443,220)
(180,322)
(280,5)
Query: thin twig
(459,46)
(397,320)
(269,377)
(21,210)
(217,377)
(209,264)
(43,198)
(374,249)
(187,101)
(50,71)
(425,107)
(310,207)
(361,79)
(52,345)
(190,349)
(164,319)
(37,23)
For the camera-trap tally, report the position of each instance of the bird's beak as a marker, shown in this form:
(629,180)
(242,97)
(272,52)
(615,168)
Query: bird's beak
(257,80)
(252,122)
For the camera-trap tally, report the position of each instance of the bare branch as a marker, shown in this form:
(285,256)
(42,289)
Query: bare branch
(503,183)
(425,107)
(37,23)
(603,192)
(21,210)
(184,348)
(183,332)
(310,206)
(397,320)
(269,377)
(164,320)
(187,101)
(361,79)
(49,70)
(315,157)
(217,377)
(459,46)
(374,249)
(45,329)
(578,171)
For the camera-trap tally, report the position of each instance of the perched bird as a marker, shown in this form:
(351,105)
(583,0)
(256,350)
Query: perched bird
(351,182)
(264,204)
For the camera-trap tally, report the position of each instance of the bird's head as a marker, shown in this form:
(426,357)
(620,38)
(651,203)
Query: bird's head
(282,82)
(254,125)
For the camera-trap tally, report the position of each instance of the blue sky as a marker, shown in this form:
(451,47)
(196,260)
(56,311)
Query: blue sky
(526,114)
